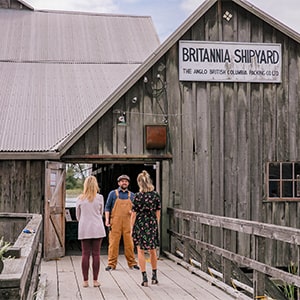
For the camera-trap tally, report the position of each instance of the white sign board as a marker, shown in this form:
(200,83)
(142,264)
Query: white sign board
(222,61)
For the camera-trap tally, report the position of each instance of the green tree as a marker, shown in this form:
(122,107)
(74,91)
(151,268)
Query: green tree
(71,182)
(76,174)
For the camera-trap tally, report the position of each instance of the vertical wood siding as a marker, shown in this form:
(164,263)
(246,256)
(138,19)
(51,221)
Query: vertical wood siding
(22,186)
(220,134)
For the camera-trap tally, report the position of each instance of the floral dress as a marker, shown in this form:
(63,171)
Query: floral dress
(145,229)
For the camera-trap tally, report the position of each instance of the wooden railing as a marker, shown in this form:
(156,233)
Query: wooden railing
(203,248)
(19,278)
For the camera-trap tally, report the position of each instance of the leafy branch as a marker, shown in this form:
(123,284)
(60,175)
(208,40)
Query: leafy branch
(3,247)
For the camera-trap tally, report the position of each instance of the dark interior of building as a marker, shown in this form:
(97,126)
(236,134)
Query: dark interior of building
(107,175)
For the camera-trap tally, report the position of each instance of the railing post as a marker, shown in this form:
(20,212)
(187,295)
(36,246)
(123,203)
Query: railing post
(205,238)
(203,254)
(258,277)
(186,232)
(226,264)
(171,227)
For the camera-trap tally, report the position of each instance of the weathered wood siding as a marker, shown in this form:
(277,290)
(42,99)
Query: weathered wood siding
(107,137)
(22,186)
(12,4)
(220,134)
(20,275)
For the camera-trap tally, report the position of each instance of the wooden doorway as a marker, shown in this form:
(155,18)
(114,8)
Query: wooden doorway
(54,216)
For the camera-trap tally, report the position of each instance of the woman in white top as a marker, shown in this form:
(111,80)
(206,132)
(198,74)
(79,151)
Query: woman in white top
(91,231)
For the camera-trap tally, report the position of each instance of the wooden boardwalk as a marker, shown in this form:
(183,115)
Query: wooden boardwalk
(62,279)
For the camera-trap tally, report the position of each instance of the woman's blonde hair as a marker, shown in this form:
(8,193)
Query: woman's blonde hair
(144,182)
(90,188)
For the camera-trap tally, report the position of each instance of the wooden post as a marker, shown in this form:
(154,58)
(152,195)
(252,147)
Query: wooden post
(226,264)
(205,238)
(259,278)
(186,231)
(165,202)
(171,227)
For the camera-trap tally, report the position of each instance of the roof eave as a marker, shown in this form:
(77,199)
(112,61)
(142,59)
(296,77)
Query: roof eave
(26,4)
(29,155)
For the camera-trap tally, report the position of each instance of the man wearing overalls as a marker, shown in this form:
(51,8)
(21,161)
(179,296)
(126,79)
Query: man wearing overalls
(117,218)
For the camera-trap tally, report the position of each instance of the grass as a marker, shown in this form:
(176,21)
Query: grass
(289,289)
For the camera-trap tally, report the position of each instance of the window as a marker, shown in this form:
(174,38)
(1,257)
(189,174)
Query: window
(283,181)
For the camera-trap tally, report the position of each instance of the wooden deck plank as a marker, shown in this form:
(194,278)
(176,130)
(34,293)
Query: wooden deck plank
(86,293)
(50,269)
(168,286)
(175,282)
(150,292)
(194,284)
(67,282)
(126,279)
(181,282)
(110,288)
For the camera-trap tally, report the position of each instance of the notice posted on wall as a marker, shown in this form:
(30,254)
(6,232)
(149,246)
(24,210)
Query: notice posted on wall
(234,62)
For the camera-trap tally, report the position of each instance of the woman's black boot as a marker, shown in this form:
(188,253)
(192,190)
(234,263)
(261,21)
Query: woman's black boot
(145,279)
(154,277)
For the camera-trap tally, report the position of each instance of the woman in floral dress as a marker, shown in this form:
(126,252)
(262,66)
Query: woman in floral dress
(145,222)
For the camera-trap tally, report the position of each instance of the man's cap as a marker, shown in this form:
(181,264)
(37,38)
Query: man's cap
(123,177)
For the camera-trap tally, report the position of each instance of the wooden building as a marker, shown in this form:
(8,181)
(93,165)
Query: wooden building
(212,114)
(56,69)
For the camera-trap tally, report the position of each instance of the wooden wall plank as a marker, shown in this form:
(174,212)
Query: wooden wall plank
(106,126)
(217,155)
(91,140)
(293,106)
(135,119)
(203,170)
(174,91)
(188,145)
(21,186)
(230,149)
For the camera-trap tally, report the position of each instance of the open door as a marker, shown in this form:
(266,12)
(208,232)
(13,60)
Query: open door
(54,216)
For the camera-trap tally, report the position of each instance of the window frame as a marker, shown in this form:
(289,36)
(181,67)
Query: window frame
(295,180)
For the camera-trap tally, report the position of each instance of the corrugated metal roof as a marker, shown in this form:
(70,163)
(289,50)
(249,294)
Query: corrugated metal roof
(43,103)
(57,68)
(81,38)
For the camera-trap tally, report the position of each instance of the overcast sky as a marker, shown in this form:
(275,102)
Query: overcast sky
(167,15)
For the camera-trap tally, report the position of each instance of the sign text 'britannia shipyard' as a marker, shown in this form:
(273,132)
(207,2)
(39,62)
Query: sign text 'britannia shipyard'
(222,61)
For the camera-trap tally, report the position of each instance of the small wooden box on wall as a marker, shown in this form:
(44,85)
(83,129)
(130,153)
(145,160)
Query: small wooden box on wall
(156,136)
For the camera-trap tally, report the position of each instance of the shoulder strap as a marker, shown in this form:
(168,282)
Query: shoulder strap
(117,193)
